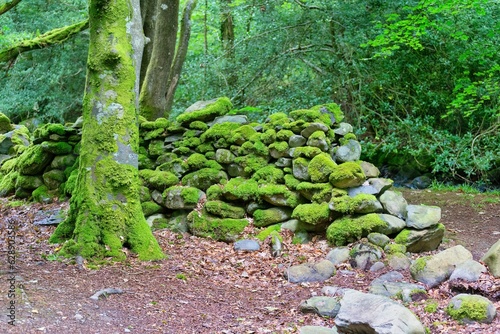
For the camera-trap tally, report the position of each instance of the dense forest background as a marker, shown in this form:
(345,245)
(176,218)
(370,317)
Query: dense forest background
(419,80)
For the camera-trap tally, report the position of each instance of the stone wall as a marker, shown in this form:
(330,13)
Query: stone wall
(212,173)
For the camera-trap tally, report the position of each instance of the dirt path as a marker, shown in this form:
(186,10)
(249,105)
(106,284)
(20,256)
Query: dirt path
(205,286)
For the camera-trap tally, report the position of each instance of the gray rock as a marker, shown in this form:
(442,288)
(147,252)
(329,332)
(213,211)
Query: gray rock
(338,255)
(422,216)
(398,261)
(394,224)
(370,170)
(421,182)
(372,186)
(317,330)
(368,313)
(433,270)
(377,266)
(319,143)
(53,178)
(296,141)
(240,119)
(471,308)
(235,170)
(224,156)
(351,151)
(310,272)
(332,291)
(417,241)
(283,162)
(369,206)
(266,217)
(300,170)
(178,222)
(50,217)
(394,203)
(378,239)
(174,199)
(295,225)
(321,305)
(246,245)
(343,129)
(313,127)
(469,270)
(364,255)
(392,284)
(152,218)
(492,259)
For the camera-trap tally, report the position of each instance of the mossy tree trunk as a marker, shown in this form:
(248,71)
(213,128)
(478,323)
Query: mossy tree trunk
(164,57)
(105,211)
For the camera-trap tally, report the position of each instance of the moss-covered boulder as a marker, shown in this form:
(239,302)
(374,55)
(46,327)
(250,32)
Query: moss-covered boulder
(225,210)
(347,175)
(314,213)
(300,169)
(320,167)
(63,161)
(269,174)
(315,192)
(56,148)
(224,156)
(176,166)
(239,188)
(361,203)
(279,195)
(41,195)
(8,183)
(417,241)
(150,208)
(53,178)
(157,179)
(221,229)
(350,229)
(33,160)
(5,125)
(205,111)
(204,178)
(266,217)
(29,182)
(179,197)
(471,308)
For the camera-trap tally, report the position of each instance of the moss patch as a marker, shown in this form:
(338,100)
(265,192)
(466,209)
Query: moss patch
(313,213)
(320,167)
(226,229)
(158,180)
(346,175)
(219,107)
(225,210)
(350,229)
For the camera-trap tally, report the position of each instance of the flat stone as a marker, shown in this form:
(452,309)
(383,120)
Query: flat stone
(310,272)
(469,270)
(338,255)
(321,305)
(422,216)
(492,259)
(246,245)
(394,203)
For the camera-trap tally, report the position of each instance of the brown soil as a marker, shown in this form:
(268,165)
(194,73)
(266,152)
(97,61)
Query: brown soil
(206,286)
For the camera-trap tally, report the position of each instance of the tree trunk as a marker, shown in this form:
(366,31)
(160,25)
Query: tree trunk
(105,211)
(8,6)
(162,64)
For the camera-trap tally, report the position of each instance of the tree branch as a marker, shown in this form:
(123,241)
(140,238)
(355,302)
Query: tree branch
(52,37)
(8,6)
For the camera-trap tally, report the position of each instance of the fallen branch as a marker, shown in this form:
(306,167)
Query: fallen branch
(106,291)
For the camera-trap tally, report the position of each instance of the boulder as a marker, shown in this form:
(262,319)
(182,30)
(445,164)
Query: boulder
(492,259)
(368,313)
(422,216)
(310,272)
(471,308)
(351,151)
(394,203)
(469,270)
(321,305)
(417,241)
(246,245)
(392,284)
(338,255)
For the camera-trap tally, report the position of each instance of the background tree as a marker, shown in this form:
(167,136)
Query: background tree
(105,214)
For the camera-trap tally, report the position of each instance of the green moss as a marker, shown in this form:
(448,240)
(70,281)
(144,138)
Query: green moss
(213,164)
(266,217)
(431,306)
(28,182)
(402,237)
(269,174)
(158,180)
(214,192)
(347,204)
(196,161)
(5,125)
(260,148)
(243,134)
(291,182)
(70,183)
(198,125)
(313,213)
(242,189)
(159,123)
(205,148)
(153,134)
(316,192)
(225,210)
(8,166)
(279,194)
(218,108)
(251,163)
(346,175)
(8,183)
(306,151)
(311,115)
(222,133)
(204,178)
(268,231)
(268,137)
(56,148)
(394,248)
(33,160)
(349,136)
(190,195)
(226,229)
(280,146)
(150,208)
(284,135)
(156,148)
(46,130)
(41,194)
(320,167)
(472,308)
(349,229)
(332,108)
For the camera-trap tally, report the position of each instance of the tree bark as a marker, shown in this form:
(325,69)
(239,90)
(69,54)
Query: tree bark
(162,66)
(8,6)
(105,211)
(52,37)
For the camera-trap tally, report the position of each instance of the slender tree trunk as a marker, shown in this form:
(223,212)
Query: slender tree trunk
(105,213)
(8,5)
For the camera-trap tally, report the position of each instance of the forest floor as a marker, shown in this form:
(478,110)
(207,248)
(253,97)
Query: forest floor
(205,286)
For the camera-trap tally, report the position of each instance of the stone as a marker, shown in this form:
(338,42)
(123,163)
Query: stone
(422,216)
(310,272)
(370,170)
(178,197)
(379,315)
(347,175)
(364,255)
(392,285)
(338,255)
(351,151)
(377,266)
(417,241)
(398,261)
(300,170)
(343,129)
(492,259)
(433,270)
(246,245)
(63,161)
(321,305)
(296,141)
(393,224)
(469,270)
(205,111)
(313,127)
(240,119)
(394,203)
(317,330)
(471,308)
(378,239)
(421,182)
(266,217)
(224,156)
(150,220)
(53,178)
(50,217)
(283,162)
